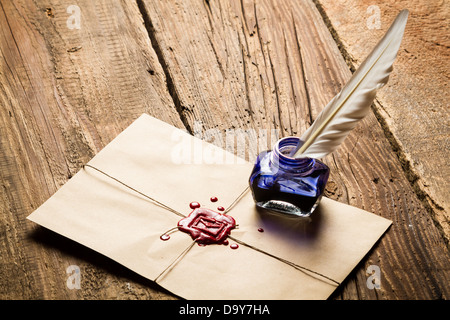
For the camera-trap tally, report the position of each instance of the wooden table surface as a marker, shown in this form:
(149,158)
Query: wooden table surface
(74,75)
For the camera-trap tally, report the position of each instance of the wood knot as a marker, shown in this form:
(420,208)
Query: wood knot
(49,12)
(331,190)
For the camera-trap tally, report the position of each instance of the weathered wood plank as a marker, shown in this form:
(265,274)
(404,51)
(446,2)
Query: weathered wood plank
(414,105)
(272,64)
(64,94)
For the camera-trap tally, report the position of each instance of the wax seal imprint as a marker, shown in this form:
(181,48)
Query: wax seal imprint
(207,226)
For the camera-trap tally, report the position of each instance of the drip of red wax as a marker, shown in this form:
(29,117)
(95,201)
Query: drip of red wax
(221,208)
(194,205)
(214,199)
(165,237)
(260,229)
(234,246)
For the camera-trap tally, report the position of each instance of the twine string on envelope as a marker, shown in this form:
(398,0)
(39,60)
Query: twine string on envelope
(135,190)
(239,197)
(182,254)
(178,258)
(294,265)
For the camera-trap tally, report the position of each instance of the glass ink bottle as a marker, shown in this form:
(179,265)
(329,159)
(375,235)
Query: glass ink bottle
(292,186)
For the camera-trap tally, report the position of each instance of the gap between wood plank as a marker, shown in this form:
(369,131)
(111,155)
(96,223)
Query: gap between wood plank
(169,81)
(412,176)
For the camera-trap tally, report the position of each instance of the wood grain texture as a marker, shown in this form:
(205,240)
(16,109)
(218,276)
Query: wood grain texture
(64,94)
(413,107)
(263,67)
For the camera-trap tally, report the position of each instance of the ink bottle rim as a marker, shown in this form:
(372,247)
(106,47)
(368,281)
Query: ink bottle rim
(280,157)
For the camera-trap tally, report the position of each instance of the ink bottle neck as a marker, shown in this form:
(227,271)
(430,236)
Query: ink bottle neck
(282,159)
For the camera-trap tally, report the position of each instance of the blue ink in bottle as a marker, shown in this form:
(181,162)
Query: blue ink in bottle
(281,183)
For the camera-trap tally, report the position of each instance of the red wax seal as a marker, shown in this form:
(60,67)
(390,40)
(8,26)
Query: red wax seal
(206,226)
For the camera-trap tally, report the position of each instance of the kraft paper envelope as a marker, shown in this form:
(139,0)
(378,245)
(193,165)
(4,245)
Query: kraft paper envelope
(106,206)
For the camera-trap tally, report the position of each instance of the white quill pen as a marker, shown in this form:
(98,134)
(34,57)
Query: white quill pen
(343,112)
